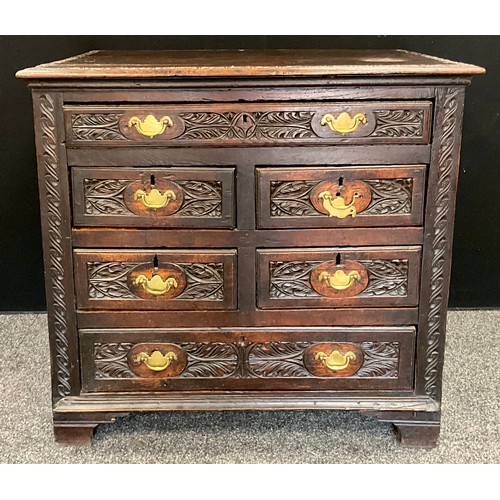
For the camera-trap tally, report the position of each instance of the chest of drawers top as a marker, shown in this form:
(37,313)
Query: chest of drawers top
(102,64)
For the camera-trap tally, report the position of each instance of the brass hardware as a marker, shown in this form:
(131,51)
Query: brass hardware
(339,280)
(343,123)
(154,199)
(156,361)
(336,361)
(156,285)
(336,207)
(150,126)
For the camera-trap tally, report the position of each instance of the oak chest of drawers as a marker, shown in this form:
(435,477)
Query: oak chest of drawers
(248,230)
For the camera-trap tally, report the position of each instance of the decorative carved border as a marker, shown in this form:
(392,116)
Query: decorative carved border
(437,305)
(50,161)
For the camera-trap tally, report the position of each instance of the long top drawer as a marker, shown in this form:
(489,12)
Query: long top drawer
(390,122)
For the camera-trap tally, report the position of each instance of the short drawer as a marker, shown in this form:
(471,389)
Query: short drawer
(340,196)
(347,358)
(396,122)
(338,277)
(156,280)
(153,197)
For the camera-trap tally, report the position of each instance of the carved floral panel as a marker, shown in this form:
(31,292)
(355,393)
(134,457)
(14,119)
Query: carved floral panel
(247,360)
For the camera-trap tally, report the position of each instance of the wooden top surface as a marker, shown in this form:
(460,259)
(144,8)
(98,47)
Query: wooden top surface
(246,63)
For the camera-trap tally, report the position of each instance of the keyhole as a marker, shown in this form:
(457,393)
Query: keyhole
(341,182)
(155,262)
(245,118)
(337,260)
(152,180)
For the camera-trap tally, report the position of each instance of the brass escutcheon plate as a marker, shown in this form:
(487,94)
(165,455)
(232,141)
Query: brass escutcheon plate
(166,271)
(176,365)
(318,356)
(355,274)
(356,194)
(137,205)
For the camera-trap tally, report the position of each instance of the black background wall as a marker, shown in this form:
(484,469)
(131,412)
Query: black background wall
(476,266)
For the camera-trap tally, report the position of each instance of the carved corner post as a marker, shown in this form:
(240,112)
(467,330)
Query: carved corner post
(418,429)
(56,223)
(436,260)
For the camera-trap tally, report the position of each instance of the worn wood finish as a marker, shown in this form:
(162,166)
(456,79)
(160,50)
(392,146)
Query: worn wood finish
(289,197)
(241,63)
(203,198)
(90,404)
(247,359)
(248,316)
(215,309)
(288,278)
(188,157)
(111,280)
(413,429)
(138,238)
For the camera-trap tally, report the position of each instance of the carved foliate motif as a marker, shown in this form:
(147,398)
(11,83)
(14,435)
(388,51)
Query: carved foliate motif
(388,197)
(293,279)
(271,125)
(106,197)
(247,360)
(108,280)
(399,123)
(437,305)
(97,127)
(50,161)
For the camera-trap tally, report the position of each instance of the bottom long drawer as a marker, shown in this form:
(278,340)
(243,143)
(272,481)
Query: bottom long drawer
(339,359)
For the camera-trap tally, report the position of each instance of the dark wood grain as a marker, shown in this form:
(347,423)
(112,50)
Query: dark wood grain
(357,316)
(202,238)
(188,157)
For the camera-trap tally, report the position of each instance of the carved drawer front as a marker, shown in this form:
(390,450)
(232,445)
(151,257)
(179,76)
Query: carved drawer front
(338,277)
(340,196)
(397,122)
(156,280)
(158,197)
(344,358)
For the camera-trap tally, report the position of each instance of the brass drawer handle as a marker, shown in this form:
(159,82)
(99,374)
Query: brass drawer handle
(336,206)
(150,126)
(156,361)
(339,280)
(156,285)
(154,199)
(336,361)
(343,124)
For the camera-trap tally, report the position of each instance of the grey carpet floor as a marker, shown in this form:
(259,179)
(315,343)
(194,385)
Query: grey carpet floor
(470,427)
